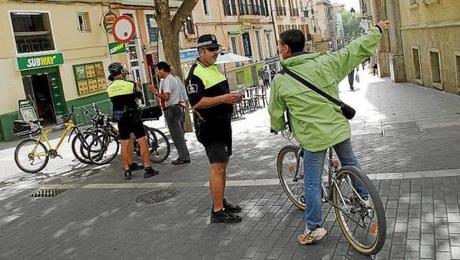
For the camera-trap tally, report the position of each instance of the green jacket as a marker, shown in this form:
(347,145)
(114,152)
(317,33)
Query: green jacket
(317,123)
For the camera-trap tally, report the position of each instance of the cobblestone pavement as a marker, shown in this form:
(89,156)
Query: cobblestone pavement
(98,216)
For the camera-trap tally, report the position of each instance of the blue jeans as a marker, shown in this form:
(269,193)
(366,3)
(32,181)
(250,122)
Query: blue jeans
(313,169)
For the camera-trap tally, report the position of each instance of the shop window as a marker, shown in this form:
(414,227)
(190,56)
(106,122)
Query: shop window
(416,57)
(83,22)
(90,78)
(32,31)
(435,66)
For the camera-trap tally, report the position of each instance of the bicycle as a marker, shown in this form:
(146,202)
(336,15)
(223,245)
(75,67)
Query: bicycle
(32,155)
(99,149)
(363,223)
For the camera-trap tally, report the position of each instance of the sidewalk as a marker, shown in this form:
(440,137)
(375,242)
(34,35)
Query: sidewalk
(414,165)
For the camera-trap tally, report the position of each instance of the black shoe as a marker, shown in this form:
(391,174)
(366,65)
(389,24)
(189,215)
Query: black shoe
(223,216)
(135,167)
(128,175)
(180,161)
(149,172)
(231,207)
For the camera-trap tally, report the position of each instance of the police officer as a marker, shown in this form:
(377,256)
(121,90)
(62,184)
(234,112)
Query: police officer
(123,95)
(212,102)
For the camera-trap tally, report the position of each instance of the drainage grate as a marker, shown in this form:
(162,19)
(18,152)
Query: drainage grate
(157,196)
(47,193)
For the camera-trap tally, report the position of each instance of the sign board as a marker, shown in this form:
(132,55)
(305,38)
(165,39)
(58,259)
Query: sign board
(89,78)
(26,110)
(39,61)
(188,55)
(107,21)
(123,29)
(116,48)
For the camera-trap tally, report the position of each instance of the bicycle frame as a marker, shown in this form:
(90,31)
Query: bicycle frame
(43,137)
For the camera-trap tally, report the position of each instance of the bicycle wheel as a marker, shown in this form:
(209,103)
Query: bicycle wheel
(79,147)
(362,222)
(159,146)
(290,174)
(31,155)
(103,149)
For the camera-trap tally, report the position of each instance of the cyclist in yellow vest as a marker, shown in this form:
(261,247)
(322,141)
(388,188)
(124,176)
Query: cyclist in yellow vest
(212,102)
(123,95)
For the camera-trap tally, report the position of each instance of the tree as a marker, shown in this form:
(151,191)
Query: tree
(351,29)
(170,27)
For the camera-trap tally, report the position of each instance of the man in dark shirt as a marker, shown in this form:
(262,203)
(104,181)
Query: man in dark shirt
(212,102)
(123,95)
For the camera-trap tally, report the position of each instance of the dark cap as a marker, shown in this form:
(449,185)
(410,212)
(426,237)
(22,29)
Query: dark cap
(207,40)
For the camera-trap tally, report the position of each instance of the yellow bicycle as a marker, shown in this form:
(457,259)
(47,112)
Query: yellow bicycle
(32,155)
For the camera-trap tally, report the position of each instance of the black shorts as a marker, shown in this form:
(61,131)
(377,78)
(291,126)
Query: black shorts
(218,152)
(128,125)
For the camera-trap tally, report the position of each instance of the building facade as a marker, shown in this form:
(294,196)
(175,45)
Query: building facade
(422,45)
(57,54)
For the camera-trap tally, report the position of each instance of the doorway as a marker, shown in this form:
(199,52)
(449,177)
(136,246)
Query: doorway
(37,87)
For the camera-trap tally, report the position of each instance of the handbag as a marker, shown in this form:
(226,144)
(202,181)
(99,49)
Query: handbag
(347,111)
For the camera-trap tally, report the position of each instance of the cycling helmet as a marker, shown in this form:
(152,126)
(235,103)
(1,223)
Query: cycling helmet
(117,68)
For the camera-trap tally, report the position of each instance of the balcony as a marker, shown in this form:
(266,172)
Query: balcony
(246,9)
(281,11)
(294,12)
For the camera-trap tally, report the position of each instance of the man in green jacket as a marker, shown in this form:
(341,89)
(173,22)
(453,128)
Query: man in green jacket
(317,124)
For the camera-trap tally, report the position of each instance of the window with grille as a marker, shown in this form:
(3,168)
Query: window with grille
(83,22)
(435,66)
(229,8)
(416,57)
(32,31)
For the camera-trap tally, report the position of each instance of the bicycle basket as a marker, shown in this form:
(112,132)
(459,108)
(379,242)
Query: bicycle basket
(21,126)
(151,112)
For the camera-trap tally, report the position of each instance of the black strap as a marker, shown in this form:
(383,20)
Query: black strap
(311,86)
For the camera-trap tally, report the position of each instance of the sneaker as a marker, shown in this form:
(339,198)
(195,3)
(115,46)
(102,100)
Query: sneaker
(232,208)
(180,161)
(149,172)
(310,237)
(128,175)
(135,167)
(223,216)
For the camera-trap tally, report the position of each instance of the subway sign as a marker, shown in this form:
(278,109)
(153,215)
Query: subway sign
(39,61)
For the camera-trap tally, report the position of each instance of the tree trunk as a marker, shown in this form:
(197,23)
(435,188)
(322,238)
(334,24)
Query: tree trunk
(170,27)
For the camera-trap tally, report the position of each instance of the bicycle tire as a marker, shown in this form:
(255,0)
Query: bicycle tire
(297,198)
(98,149)
(88,136)
(82,145)
(33,143)
(379,228)
(156,140)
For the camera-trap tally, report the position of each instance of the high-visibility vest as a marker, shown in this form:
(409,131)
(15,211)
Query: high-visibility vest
(120,87)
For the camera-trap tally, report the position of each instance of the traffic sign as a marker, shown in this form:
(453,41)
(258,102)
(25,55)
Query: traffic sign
(123,29)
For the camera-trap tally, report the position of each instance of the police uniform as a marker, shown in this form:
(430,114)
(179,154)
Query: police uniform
(212,125)
(123,95)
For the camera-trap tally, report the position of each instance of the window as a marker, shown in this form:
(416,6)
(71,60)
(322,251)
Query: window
(416,56)
(205,7)
(457,62)
(152,28)
(229,8)
(32,31)
(269,44)
(83,22)
(189,26)
(435,69)
(259,46)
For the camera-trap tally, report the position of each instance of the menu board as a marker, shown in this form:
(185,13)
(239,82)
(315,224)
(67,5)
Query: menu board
(90,78)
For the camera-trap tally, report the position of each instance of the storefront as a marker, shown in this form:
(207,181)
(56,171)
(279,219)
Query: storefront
(42,84)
